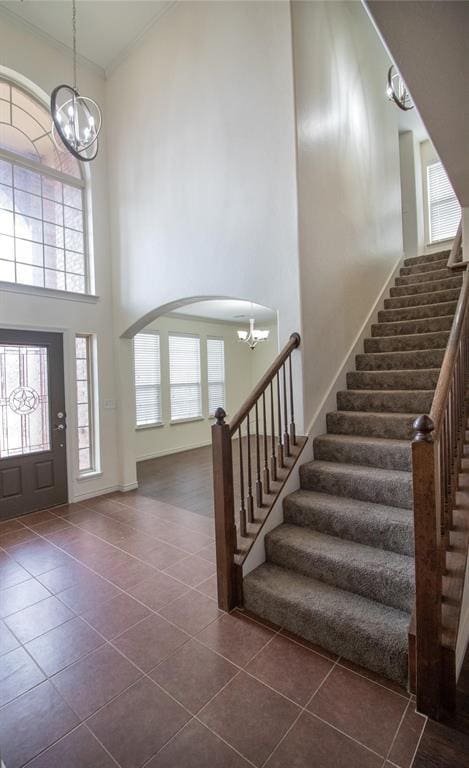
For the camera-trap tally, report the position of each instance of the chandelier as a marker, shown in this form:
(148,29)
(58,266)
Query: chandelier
(253,336)
(76,119)
(397,90)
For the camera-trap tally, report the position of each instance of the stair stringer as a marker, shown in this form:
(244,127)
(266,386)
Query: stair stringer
(318,425)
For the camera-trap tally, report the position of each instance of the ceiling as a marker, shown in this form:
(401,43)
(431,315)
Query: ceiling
(229,311)
(106,29)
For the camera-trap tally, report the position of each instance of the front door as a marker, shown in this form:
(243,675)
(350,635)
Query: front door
(33,458)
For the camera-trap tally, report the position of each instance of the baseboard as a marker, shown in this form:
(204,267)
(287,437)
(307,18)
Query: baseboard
(92,493)
(181,449)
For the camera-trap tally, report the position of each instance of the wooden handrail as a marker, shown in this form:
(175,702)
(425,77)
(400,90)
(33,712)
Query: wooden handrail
(454,262)
(293,342)
(248,475)
(436,459)
(444,379)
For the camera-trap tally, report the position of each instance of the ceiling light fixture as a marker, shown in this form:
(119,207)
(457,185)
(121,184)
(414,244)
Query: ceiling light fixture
(253,336)
(76,119)
(396,90)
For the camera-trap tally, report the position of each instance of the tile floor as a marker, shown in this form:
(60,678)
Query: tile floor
(113,653)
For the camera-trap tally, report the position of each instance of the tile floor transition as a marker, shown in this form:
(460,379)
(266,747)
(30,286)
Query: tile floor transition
(113,653)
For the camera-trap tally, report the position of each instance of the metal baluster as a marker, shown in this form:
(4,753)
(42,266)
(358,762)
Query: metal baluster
(292,409)
(286,436)
(265,474)
(273,457)
(281,461)
(242,507)
(258,461)
(250,498)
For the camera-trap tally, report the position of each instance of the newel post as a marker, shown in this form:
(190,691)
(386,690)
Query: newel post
(426,492)
(223,497)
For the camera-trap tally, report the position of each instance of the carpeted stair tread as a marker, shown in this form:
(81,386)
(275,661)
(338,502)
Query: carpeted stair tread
(424,277)
(430,286)
(365,451)
(381,486)
(418,269)
(387,361)
(388,400)
(423,378)
(427,258)
(365,570)
(364,631)
(412,327)
(417,313)
(366,423)
(418,299)
(376,525)
(406,343)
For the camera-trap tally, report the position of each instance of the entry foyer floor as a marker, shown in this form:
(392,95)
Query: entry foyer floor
(113,652)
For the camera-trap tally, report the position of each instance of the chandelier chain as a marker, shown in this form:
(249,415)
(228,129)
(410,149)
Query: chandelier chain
(74,30)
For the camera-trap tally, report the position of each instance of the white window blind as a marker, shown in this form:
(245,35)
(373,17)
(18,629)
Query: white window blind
(184,377)
(444,211)
(215,374)
(147,378)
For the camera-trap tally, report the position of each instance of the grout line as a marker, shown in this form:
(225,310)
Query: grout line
(397,731)
(420,737)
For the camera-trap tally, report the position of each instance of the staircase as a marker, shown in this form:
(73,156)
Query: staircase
(340,570)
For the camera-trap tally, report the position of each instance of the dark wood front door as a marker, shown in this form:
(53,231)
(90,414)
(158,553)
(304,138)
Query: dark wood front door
(33,457)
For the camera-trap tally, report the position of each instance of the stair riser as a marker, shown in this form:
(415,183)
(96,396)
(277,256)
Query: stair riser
(388,587)
(394,361)
(417,313)
(428,258)
(391,426)
(420,269)
(391,402)
(390,492)
(447,284)
(406,343)
(424,277)
(385,457)
(415,379)
(409,327)
(355,641)
(436,297)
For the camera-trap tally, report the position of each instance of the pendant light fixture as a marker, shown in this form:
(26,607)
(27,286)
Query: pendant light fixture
(76,118)
(253,336)
(396,90)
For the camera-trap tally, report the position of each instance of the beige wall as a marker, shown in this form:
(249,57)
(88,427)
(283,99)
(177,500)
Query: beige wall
(350,223)
(243,368)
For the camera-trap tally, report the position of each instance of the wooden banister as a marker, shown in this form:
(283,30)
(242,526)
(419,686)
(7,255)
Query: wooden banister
(293,342)
(436,459)
(265,452)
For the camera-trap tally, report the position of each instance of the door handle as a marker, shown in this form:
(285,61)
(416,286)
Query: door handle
(59,427)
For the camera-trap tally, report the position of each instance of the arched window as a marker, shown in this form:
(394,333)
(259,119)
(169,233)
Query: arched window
(42,211)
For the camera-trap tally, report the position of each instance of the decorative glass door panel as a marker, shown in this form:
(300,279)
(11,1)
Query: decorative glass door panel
(24,400)
(33,455)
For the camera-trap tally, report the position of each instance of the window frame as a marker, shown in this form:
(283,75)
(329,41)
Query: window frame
(160,422)
(431,240)
(79,183)
(93,409)
(211,414)
(200,416)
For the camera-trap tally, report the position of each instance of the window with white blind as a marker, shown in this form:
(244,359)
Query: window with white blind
(184,377)
(215,374)
(444,211)
(147,368)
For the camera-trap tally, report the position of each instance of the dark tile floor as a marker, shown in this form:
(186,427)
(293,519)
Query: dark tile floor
(113,653)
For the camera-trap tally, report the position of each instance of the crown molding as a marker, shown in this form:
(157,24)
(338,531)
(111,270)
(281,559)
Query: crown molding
(12,17)
(139,39)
